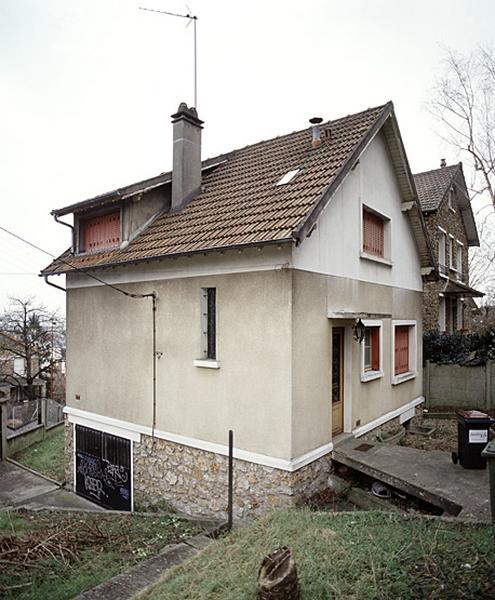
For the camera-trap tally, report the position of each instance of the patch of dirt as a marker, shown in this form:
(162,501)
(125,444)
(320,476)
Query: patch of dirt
(444,437)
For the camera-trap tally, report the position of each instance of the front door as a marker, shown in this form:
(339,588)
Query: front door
(337,380)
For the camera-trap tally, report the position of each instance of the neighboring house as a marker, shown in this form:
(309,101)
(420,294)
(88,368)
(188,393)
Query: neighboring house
(444,198)
(265,264)
(13,370)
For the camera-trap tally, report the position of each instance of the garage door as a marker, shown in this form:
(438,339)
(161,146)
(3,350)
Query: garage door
(103,468)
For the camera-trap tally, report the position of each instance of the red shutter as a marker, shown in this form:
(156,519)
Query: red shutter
(101,233)
(375,348)
(401,349)
(373,237)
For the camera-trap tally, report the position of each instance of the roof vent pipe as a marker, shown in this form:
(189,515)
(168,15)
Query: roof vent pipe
(315,122)
(443,162)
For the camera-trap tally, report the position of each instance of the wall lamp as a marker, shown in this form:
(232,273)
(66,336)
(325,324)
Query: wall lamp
(358,330)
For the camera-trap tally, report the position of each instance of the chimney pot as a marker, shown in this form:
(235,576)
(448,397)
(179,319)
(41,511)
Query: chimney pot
(186,172)
(443,162)
(315,122)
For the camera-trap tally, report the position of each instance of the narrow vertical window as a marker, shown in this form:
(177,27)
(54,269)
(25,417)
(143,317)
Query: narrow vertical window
(441,314)
(371,365)
(208,323)
(459,261)
(451,251)
(441,253)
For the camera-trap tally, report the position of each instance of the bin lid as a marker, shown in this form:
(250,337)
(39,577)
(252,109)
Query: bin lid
(473,414)
(489,450)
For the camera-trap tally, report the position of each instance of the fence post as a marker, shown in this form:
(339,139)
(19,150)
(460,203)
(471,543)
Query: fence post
(3,428)
(488,385)
(427,384)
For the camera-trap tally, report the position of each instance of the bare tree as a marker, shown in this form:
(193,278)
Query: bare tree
(463,102)
(30,332)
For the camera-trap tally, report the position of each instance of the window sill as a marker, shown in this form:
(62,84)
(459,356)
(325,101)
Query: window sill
(397,379)
(378,259)
(370,375)
(206,363)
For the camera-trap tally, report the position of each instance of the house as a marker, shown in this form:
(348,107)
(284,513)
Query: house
(444,198)
(14,372)
(247,279)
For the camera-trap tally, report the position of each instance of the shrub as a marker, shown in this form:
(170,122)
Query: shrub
(471,349)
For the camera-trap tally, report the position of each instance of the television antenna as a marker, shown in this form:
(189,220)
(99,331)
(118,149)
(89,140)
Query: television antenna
(190,19)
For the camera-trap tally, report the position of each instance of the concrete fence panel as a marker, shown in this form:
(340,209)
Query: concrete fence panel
(459,386)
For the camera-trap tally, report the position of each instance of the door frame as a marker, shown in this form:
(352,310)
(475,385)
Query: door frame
(346,326)
(342,362)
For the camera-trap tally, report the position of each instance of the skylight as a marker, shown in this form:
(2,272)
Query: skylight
(288,177)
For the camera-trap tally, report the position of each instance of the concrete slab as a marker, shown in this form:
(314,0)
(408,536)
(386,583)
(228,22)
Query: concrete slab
(135,579)
(17,485)
(62,499)
(430,476)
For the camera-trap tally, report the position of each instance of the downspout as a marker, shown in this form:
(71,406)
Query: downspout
(45,277)
(73,237)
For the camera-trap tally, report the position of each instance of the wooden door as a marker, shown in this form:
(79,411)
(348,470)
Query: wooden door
(337,380)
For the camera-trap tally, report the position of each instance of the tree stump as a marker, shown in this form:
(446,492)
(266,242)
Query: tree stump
(277,578)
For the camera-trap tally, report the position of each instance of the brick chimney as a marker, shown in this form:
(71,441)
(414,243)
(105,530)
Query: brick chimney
(186,174)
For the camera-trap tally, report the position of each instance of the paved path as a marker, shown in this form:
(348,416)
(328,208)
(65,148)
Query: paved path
(430,476)
(19,487)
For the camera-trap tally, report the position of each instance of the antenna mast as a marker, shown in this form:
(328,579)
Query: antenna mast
(191,19)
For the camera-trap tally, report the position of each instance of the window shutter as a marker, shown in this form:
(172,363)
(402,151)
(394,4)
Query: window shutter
(101,233)
(373,236)
(375,348)
(401,349)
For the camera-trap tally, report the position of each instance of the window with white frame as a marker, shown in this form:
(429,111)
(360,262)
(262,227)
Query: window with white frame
(459,259)
(375,236)
(20,366)
(404,351)
(209,323)
(441,314)
(371,351)
(442,266)
(450,199)
(451,252)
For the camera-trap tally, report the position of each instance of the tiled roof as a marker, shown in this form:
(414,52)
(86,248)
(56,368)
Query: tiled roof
(240,203)
(433,185)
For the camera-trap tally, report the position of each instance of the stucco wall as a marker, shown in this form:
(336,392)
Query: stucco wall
(315,296)
(335,245)
(109,358)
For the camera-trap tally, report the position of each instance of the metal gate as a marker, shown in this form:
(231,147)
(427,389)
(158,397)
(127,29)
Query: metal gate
(103,468)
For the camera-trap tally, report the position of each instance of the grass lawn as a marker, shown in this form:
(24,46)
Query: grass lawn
(361,555)
(59,555)
(46,457)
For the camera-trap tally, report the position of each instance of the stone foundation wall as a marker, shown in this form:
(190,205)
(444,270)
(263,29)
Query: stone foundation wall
(69,454)
(195,481)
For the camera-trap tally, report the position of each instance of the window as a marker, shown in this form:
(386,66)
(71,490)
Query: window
(450,199)
(288,177)
(460,314)
(373,234)
(100,233)
(404,351)
(441,314)
(459,261)
(20,366)
(442,267)
(371,365)
(208,329)
(451,252)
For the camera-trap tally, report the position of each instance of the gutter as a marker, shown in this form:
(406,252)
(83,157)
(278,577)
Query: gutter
(73,237)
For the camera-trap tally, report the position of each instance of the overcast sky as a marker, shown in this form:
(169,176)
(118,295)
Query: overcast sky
(87,88)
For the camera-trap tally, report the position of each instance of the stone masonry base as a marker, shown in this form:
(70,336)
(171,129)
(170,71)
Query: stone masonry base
(195,481)
(168,476)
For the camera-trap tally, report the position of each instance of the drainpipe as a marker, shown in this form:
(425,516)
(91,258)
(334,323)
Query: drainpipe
(73,237)
(54,284)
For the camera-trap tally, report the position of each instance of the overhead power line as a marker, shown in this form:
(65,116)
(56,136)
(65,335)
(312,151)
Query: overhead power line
(90,275)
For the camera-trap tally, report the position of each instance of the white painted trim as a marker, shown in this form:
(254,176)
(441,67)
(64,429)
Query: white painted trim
(348,341)
(100,423)
(206,363)
(378,259)
(413,351)
(74,453)
(359,431)
(133,432)
(370,375)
